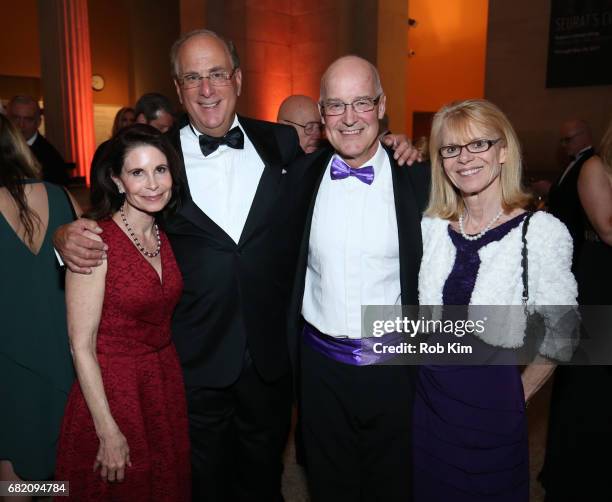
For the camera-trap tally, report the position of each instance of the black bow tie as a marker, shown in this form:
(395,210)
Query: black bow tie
(233,138)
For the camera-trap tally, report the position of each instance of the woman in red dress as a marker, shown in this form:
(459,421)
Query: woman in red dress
(124,434)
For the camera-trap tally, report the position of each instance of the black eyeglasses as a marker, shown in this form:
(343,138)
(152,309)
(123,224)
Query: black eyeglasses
(476,146)
(310,128)
(360,105)
(216,78)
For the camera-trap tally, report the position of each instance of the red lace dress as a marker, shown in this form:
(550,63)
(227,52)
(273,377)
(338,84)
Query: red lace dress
(142,380)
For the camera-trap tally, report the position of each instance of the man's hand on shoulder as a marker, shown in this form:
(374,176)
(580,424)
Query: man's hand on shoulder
(80,245)
(404,152)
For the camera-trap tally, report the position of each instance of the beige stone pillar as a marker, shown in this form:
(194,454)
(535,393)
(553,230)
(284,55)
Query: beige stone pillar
(153,28)
(66,79)
(193,15)
(392,57)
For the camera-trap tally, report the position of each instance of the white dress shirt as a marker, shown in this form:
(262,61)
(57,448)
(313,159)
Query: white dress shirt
(353,252)
(224,183)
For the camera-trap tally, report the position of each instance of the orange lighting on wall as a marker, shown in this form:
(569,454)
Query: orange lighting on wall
(449,44)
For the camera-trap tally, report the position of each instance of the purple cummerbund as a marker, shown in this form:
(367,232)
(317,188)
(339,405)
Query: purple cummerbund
(355,351)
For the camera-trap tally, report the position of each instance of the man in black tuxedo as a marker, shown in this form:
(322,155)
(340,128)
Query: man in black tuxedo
(563,200)
(25,113)
(236,253)
(361,245)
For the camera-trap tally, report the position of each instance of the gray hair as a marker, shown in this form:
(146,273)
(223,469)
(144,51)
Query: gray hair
(229,46)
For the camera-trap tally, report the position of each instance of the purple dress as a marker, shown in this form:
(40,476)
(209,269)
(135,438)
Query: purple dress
(470,427)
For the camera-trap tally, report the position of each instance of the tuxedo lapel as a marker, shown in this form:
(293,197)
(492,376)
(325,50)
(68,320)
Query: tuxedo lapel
(408,217)
(266,197)
(315,174)
(309,186)
(268,188)
(577,163)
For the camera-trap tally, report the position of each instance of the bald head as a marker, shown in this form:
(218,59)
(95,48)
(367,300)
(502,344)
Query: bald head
(350,65)
(575,135)
(298,107)
(303,114)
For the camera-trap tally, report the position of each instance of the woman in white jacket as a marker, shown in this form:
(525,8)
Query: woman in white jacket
(470,428)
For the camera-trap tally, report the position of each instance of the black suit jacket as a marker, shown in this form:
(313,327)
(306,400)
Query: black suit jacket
(235,295)
(52,163)
(564,202)
(411,192)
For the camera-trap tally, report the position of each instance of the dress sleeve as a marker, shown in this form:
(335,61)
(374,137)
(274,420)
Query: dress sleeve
(553,290)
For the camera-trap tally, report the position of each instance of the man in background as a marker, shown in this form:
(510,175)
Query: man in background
(563,201)
(155,109)
(302,113)
(25,113)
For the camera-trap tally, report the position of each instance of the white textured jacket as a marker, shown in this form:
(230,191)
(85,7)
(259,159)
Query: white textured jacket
(499,280)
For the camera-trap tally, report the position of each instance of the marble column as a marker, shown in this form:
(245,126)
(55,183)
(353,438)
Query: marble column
(66,80)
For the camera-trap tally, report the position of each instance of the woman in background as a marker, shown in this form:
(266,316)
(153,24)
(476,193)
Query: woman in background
(125,117)
(470,426)
(35,365)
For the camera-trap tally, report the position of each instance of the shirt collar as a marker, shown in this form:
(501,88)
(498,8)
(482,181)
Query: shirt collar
(31,141)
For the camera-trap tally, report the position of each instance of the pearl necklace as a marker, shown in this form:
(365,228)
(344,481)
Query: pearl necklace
(482,232)
(135,239)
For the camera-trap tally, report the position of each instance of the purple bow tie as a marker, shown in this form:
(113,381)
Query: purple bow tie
(340,170)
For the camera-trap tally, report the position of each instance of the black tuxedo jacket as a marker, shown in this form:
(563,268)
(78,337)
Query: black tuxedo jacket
(235,295)
(411,192)
(564,202)
(52,163)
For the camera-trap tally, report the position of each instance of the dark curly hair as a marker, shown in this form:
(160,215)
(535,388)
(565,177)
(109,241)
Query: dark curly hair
(105,196)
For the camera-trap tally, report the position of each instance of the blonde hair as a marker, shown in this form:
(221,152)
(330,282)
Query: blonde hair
(605,149)
(459,118)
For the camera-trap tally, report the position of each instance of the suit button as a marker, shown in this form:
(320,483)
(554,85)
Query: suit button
(239,252)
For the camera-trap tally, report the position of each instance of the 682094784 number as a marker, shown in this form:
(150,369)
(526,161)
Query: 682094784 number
(34,488)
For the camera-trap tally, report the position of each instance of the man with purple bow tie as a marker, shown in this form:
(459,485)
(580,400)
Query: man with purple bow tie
(361,246)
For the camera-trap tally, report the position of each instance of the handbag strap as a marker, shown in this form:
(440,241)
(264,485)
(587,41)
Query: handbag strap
(525,261)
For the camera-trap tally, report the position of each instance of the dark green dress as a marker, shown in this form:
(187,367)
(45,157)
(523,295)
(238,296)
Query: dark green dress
(36,370)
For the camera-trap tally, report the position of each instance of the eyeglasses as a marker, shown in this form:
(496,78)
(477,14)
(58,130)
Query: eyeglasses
(310,128)
(217,78)
(361,105)
(567,139)
(476,146)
